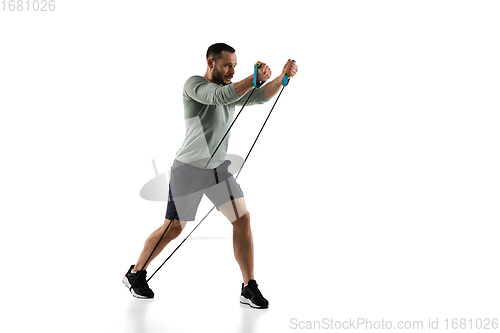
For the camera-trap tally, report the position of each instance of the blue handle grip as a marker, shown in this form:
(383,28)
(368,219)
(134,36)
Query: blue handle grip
(255,83)
(286,78)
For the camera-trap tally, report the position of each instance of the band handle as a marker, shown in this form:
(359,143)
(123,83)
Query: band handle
(286,78)
(257,84)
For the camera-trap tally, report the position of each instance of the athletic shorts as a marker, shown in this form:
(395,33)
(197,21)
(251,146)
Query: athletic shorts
(188,184)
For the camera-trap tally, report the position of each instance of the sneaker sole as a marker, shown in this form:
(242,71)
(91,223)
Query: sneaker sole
(127,284)
(244,300)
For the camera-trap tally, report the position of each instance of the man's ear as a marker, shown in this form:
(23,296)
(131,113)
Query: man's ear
(210,63)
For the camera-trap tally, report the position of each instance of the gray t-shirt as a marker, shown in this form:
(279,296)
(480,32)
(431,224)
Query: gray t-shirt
(208,113)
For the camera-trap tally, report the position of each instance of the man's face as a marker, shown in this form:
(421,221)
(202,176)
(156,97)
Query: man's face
(223,70)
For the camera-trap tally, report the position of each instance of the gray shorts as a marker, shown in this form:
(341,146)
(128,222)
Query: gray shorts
(188,184)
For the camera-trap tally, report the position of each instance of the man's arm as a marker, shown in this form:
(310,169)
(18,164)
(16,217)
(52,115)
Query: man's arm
(263,74)
(205,92)
(272,88)
(244,86)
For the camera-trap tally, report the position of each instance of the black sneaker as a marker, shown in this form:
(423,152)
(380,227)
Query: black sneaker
(140,285)
(252,296)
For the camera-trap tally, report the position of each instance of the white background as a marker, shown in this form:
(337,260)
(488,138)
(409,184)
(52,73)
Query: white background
(374,188)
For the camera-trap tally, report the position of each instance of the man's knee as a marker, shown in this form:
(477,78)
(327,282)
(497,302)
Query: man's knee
(174,228)
(243,221)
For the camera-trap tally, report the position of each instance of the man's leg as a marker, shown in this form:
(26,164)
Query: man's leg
(135,278)
(243,246)
(173,231)
(237,213)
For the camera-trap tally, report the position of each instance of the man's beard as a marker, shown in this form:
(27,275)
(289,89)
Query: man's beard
(218,77)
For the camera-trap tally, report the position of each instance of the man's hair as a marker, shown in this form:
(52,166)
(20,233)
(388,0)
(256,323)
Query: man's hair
(215,50)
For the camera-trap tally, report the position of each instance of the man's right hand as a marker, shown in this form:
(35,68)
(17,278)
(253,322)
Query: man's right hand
(264,72)
(243,86)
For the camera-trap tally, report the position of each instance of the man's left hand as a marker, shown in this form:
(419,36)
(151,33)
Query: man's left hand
(291,68)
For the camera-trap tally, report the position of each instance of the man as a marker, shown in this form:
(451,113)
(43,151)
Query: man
(209,106)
